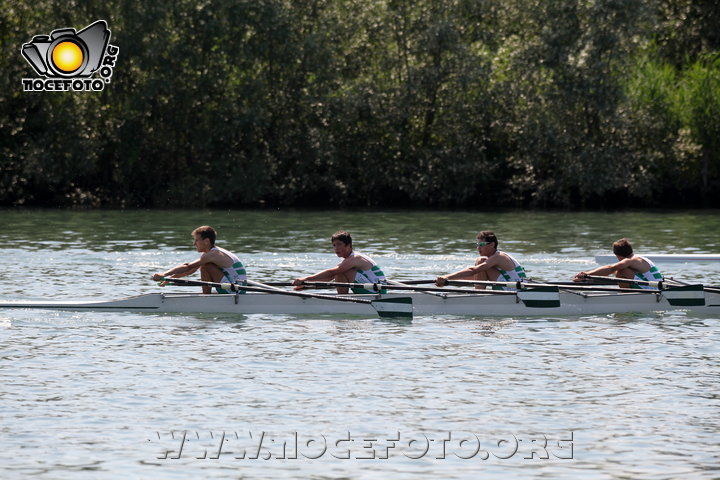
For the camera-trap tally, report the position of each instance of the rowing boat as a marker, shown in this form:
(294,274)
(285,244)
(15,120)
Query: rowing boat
(545,303)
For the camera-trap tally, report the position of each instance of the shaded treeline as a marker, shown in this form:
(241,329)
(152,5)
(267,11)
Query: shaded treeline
(473,103)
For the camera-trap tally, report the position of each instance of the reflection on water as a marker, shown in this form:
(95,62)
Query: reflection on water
(98,395)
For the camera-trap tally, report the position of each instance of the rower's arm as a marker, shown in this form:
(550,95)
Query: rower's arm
(181,270)
(460,274)
(485,263)
(185,269)
(330,274)
(612,268)
(480,265)
(324,276)
(605,269)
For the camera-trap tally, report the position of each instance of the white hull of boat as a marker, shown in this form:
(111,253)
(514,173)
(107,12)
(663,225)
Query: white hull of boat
(423,304)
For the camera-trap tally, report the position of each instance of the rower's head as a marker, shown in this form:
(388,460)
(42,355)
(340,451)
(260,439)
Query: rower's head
(623,248)
(487,243)
(204,238)
(342,243)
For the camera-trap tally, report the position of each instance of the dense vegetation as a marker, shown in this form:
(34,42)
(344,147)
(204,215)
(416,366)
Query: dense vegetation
(479,103)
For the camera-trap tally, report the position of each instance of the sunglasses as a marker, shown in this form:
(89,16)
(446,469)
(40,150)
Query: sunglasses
(482,244)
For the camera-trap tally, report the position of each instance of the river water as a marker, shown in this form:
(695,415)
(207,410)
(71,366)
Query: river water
(109,395)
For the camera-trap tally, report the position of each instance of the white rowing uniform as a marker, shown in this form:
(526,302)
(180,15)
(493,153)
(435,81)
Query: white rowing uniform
(517,274)
(233,274)
(652,275)
(373,275)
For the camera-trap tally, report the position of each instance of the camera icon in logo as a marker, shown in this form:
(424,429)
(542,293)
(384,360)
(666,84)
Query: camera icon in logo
(67,53)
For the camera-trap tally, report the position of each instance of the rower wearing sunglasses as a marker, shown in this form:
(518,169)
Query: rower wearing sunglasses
(492,265)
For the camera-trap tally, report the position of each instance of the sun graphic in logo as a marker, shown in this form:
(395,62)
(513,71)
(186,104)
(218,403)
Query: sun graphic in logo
(67,56)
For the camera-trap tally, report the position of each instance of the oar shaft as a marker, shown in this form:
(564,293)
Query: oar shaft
(563,285)
(707,288)
(234,287)
(474,283)
(661,285)
(377,287)
(468,283)
(426,292)
(408,284)
(385,307)
(526,284)
(575,286)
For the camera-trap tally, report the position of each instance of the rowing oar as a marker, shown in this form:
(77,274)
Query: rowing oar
(385,307)
(426,292)
(467,283)
(707,288)
(563,286)
(683,295)
(536,296)
(659,284)
(676,295)
(519,286)
(478,282)
(378,287)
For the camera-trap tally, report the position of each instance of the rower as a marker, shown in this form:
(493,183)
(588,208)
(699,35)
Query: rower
(215,264)
(628,266)
(492,265)
(355,267)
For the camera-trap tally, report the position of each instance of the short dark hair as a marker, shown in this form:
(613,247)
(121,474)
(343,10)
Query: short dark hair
(206,232)
(623,248)
(488,236)
(343,236)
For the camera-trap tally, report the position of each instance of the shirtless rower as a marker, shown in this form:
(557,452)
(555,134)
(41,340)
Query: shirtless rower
(628,266)
(215,264)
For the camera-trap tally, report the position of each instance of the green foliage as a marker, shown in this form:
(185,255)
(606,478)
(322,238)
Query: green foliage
(371,102)
(699,111)
(676,124)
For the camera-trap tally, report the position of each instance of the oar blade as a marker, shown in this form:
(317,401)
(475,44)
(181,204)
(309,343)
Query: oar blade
(400,307)
(685,296)
(540,297)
